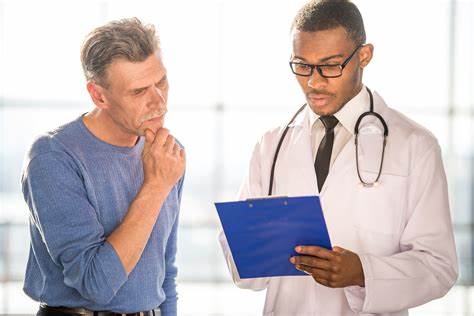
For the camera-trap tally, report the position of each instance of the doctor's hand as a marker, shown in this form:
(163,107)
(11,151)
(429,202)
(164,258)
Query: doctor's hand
(336,268)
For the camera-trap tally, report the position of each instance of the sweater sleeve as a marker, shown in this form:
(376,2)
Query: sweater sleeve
(169,306)
(67,222)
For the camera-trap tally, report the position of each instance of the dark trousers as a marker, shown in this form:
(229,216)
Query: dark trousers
(45,310)
(49,311)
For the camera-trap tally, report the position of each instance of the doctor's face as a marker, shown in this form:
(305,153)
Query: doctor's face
(326,96)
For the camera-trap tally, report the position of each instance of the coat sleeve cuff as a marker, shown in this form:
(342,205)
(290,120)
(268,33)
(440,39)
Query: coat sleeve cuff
(357,297)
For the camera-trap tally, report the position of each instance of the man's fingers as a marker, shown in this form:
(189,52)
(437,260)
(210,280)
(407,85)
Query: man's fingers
(316,252)
(149,136)
(176,148)
(169,143)
(312,262)
(161,136)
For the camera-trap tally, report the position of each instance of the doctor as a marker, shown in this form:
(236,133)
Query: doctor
(395,245)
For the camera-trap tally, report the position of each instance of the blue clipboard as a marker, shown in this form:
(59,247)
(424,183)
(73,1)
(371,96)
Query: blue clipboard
(262,233)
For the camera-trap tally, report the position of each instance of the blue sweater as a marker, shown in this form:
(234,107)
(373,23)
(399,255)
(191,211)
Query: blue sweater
(78,189)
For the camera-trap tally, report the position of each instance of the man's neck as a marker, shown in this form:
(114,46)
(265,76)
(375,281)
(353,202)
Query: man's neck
(104,128)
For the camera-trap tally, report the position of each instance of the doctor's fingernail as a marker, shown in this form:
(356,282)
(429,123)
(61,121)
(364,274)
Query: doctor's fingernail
(298,249)
(292,259)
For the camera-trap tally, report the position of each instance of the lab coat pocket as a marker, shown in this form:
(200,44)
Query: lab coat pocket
(380,209)
(376,243)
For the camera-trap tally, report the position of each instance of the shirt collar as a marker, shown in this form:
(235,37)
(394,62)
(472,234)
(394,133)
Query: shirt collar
(350,112)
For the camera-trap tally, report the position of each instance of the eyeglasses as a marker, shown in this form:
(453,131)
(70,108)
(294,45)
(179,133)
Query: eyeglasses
(326,71)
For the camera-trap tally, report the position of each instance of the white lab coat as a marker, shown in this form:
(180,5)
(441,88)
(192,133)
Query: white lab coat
(401,229)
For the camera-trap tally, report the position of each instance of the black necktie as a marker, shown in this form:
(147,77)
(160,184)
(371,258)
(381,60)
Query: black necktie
(323,157)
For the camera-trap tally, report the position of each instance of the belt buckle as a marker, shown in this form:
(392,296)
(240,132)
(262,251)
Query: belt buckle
(153,312)
(84,312)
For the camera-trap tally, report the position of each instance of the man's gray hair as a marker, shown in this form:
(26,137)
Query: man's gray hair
(127,39)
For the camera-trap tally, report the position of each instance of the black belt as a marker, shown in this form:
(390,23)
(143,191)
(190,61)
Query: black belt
(74,311)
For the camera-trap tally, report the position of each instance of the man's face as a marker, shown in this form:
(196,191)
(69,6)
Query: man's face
(326,96)
(137,94)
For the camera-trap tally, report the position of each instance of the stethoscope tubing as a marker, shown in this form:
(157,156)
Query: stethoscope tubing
(356,133)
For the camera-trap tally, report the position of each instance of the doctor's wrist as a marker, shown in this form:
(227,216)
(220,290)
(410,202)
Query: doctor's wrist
(360,279)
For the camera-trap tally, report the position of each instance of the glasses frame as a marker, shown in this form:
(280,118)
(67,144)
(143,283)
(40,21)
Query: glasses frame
(318,67)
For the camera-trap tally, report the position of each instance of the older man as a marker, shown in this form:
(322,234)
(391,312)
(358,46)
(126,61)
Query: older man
(104,190)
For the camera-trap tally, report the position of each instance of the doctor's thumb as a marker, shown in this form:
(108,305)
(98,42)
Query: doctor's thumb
(338,249)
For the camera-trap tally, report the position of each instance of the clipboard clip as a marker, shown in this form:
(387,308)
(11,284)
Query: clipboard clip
(270,197)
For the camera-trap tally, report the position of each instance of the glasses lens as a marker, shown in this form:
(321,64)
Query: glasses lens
(331,71)
(301,69)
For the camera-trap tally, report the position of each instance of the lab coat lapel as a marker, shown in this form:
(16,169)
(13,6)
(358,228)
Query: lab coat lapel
(296,170)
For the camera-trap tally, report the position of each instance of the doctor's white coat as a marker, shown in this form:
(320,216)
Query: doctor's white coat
(401,229)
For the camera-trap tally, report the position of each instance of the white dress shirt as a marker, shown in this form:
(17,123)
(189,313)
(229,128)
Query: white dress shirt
(344,130)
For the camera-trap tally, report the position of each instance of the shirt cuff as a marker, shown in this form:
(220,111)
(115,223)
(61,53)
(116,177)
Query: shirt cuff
(112,267)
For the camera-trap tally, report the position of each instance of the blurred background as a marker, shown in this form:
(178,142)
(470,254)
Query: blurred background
(229,82)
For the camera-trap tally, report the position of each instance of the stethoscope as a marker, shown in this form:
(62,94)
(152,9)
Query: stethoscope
(367,184)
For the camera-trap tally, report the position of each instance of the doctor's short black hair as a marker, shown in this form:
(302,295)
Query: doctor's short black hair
(321,15)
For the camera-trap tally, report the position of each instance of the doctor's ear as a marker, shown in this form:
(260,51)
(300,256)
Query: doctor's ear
(365,55)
